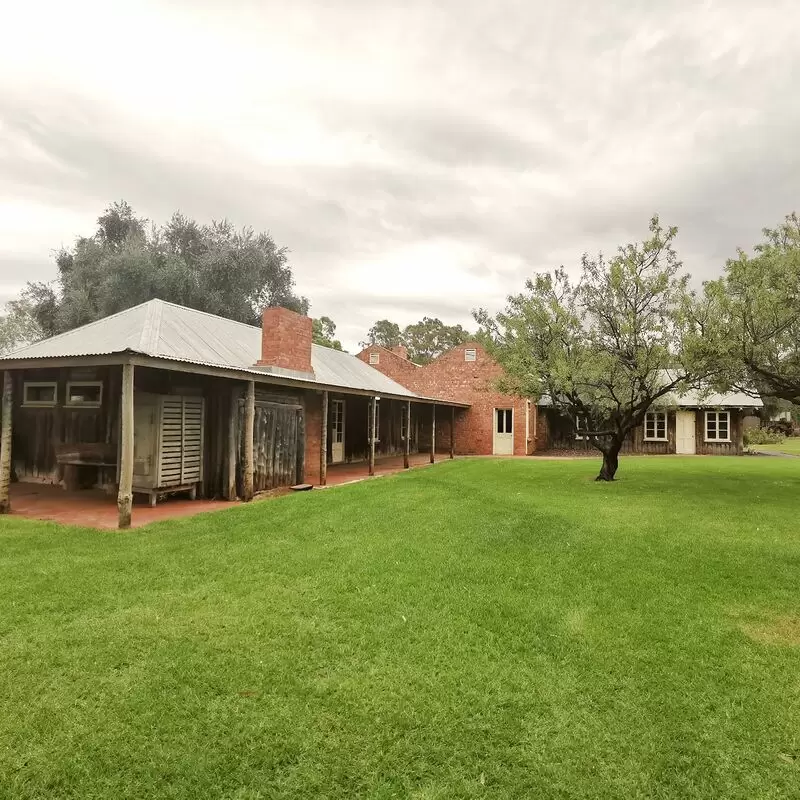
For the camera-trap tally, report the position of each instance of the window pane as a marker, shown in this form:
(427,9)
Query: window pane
(40,394)
(82,393)
(499,418)
(648,425)
(509,422)
(661,428)
(723,426)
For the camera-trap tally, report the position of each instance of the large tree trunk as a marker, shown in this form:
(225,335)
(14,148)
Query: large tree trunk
(610,462)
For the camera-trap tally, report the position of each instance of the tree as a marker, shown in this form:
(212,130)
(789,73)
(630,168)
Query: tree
(215,267)
(752,316)
(430,337)
(19,325)
(324,330)
(606,349)
(384,333)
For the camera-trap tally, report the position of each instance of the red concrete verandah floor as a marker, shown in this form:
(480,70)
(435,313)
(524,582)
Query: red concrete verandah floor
(93,508)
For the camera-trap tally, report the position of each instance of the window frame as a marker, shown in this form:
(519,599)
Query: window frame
(716,439)
(71,404)
(39,403)
(655,437)
(470,354)
(585,426)
(374,358)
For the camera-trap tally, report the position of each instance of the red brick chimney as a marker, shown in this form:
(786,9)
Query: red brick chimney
(285,340)
(400,350)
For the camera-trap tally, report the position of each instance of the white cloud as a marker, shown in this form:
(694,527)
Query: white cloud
(417,158)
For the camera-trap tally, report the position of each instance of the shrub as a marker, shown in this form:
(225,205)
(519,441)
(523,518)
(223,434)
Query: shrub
(762,436)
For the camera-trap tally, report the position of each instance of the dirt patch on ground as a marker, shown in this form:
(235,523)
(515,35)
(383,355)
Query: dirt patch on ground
(781,631)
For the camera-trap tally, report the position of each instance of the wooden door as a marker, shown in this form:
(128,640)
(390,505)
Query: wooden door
(337,431)
(504,431)
(276,443)
(685,432)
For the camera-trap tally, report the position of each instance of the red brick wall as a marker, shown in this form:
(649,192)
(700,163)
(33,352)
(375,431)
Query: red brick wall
(394,365)
(285,340)
(450,377)
(313,419)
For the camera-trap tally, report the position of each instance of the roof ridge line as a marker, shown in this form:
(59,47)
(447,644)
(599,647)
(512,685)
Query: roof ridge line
(151,329)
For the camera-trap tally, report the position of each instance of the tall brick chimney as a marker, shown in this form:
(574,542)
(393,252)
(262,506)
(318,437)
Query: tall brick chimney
(285,340)
(400,350)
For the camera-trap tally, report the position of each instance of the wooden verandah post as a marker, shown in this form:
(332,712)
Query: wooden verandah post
(125,492)
(5,443)
(452,431)
(247,455)
(323,443)
(407,443)
(373,416)
(433,432)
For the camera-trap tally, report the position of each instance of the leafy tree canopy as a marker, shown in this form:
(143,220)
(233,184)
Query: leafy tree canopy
(212,267)
(18,326)
(606,349)
(430,337)
(324,332)
(425,340)
(384,333)
(751,317)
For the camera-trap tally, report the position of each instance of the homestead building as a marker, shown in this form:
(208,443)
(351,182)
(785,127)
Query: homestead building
(161,399)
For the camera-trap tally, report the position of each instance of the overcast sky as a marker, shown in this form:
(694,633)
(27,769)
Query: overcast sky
(416,157)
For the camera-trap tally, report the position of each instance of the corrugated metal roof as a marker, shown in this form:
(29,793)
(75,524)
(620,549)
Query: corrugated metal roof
(165,330)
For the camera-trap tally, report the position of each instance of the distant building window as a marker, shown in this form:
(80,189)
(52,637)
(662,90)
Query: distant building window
(374,358)
(39,393)
(718,426)
(85,393)
(581,426)
(470,354)
(655,426)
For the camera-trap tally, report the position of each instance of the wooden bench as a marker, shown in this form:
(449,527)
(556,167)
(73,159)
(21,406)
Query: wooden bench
(73,457)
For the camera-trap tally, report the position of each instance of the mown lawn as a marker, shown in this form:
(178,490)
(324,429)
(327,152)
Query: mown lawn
(499,629)
(790,446)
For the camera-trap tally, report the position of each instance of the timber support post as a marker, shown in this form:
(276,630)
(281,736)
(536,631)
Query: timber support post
(233,424)
(5,443)
(247,456)
(373,419)
(323,443)
(452,432)
(433,432)
(407,443)
(125,492)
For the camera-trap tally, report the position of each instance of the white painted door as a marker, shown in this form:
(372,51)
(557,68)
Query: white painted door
(685,432)
(337,432)
(504,432)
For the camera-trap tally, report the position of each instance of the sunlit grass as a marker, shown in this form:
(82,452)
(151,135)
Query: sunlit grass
(503,629)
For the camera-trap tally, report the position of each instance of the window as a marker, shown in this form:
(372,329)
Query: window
(376,431)
(337,428)
(374,358)
(504,418)
(85,393)
(655,426)
(403,425)
(718,426)
(581,426)
(39,393)
(470,354)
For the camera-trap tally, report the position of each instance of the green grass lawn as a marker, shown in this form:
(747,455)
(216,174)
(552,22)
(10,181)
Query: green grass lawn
(498,629)
(790,446)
